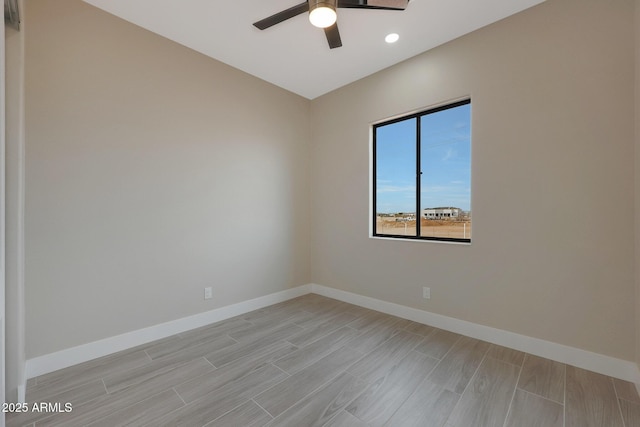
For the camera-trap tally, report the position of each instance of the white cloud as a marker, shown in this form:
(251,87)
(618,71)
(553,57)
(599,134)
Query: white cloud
(451,153)
(395,188)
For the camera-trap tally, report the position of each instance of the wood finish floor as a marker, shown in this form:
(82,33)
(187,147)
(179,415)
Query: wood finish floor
(314,361)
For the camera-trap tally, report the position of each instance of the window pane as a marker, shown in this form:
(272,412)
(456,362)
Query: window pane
(445,183)
(396,178)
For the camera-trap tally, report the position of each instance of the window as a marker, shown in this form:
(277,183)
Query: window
(422,175)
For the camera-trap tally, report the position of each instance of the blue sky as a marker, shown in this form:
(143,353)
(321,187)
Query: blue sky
(445,157)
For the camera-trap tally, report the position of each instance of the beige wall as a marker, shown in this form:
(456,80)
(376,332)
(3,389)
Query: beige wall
(553,129)
(151,172)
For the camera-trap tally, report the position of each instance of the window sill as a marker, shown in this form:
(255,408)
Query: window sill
(401,239)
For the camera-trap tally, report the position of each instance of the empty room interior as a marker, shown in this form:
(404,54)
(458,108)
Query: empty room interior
(196,228)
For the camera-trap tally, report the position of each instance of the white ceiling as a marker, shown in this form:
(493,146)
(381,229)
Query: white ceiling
(294,55)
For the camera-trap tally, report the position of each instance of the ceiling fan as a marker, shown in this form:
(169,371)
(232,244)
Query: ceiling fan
(322,14)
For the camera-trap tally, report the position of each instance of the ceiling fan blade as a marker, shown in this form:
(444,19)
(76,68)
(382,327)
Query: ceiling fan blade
(333,36)
(282,16)
(374,4)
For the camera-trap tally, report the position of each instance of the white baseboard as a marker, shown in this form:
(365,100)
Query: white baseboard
(595,362)
(82,353)
(600,363)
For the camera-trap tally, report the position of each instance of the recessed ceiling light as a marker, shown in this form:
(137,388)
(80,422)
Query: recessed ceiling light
(392,38)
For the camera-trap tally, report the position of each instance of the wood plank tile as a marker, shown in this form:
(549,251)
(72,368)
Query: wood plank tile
(224,395)
(105,405)
(324,305)
(305,319)
(293,304)
(357,310)
(214,329)
(92,370)
(315,351)
(345,419)
(320,407)
(127,378)
(429,406)
(591,400)
(377,363)
(312,302)
(486,400)
(438,343)
(419,328)
(246,415)
(253,332)
(159,341)
(321,316)
(197,350)
(543,377)
(11,420)
(505,354)
(372,337)
(626,390)
(456,369)
(403,324)
(169,379)
(228,354)
(282,396)
(204,384)
(217,403)
(312,334)
(288,304)
(142,412)
(531,410)
(630,413)
(273,315)
(383,397)
(321,309)
(188,339)
(371,319)
(77,395)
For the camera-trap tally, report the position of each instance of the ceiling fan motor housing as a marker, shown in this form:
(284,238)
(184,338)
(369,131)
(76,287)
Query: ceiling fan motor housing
(322,3)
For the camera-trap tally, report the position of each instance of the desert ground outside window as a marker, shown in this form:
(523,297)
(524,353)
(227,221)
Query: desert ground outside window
(421,174)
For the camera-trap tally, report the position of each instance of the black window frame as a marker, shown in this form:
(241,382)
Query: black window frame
(417,117)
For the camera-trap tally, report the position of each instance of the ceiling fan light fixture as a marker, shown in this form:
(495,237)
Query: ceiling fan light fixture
(322,13)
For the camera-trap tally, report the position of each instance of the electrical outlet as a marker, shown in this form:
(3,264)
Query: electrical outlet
(208,293)
(426,293)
